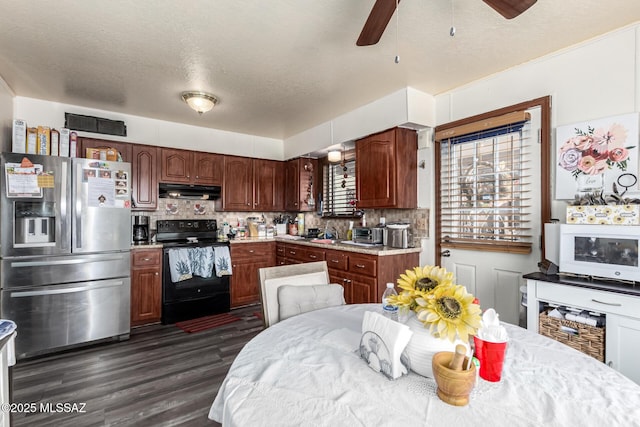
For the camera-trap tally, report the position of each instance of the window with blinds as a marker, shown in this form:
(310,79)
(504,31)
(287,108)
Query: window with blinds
(339,183)
(484,182)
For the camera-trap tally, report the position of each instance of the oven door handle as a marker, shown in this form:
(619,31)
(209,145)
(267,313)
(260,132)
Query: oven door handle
(69,290)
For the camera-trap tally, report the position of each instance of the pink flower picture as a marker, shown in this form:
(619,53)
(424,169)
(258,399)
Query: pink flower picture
(595,152)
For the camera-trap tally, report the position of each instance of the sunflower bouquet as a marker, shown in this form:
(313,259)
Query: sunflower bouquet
(446,308)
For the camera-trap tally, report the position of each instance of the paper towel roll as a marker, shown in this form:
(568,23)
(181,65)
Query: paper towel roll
(552,242)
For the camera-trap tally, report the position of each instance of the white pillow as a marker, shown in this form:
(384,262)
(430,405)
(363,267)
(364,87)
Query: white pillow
(294,300)
(270,290)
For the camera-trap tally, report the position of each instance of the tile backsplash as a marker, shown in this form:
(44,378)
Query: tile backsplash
(205,209)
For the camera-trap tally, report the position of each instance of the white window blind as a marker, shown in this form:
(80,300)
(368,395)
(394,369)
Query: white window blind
(485,184)
(339,195)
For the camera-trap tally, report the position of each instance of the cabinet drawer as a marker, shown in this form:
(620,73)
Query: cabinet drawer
(143,258)
(251,251)
(311,255)
(337,260)
(281,250)
(363,265)
(590,299)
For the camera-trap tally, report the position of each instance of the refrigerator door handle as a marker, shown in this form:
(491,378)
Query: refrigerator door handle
(19,264)
(78,238)
(63,203)
(70,290)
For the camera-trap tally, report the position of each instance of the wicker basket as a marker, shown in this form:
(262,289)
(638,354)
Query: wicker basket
(589,339)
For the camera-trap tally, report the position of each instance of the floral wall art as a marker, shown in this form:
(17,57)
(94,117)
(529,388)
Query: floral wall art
(593,155)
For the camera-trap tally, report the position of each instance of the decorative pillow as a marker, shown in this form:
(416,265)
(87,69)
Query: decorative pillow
(269,290)
(294,300)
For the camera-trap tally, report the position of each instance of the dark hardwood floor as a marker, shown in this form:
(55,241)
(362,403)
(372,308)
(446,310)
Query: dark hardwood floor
(161,376)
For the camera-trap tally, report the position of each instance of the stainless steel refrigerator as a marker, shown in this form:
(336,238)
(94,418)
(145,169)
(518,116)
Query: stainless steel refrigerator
(65,237)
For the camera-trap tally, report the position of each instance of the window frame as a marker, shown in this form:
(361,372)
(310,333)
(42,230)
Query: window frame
(349,156)
(449,129)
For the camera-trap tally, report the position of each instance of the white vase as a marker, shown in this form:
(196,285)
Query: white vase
(423,346)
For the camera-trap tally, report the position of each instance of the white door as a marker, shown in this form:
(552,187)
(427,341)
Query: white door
(495,277)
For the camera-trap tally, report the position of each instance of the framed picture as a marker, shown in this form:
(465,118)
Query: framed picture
(592,155)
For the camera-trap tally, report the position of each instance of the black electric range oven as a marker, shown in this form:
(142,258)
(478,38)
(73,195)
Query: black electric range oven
(196,296)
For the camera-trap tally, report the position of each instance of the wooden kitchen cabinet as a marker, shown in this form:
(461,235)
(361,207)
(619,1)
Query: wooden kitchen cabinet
(252,185)
(337,262)
(191,167)
(268,183)
(246,259)
(386,170)
(363,276)
(144,174)
(124,148)
(144,170)
(301,181)
(146,286)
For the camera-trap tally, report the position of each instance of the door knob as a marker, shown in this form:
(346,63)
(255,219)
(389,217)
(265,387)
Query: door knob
(445,253)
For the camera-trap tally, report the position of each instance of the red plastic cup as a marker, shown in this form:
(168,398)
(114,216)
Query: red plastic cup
(491,358)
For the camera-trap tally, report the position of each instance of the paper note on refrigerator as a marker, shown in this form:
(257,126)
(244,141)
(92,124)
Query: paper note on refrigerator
(22,182)
(102,192)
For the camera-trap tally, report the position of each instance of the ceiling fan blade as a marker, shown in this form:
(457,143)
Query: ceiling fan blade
(377,21)
(510,8)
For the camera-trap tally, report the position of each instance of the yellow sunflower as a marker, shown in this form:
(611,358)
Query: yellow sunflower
(450,312)
(425,278)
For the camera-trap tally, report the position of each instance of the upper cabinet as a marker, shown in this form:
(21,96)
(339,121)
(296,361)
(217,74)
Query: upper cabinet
(144,174)
(144,168)
(386,170)
(124,148)
(301,184)
(252,184)
(191,167)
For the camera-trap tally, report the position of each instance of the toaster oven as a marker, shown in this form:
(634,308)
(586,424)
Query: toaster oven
(371,235)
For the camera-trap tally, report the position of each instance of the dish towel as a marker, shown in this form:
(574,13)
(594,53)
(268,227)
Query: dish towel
(383,341)
(222,261)
(179,265)
(201,261)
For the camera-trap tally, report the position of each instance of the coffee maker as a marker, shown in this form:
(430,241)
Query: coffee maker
(140,228)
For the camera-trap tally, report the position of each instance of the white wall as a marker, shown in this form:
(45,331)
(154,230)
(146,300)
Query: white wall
(143,130)
(597,78)
(6,116)
(406,107)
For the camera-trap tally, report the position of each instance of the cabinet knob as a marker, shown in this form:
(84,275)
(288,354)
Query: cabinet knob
(157,273)
(197,177)
(251,251)
(335,261)
(147,259)
(313,256)
(292,252)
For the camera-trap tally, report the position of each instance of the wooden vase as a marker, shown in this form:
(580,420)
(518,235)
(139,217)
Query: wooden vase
(454,387)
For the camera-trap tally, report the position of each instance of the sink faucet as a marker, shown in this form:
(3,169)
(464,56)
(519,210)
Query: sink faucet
(330,232)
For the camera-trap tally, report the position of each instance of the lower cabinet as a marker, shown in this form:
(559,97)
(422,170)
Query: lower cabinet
(622,330)
(623,345)
(146,286)
(246,260)
(363,276)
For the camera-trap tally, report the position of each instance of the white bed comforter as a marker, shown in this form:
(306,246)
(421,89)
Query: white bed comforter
(305,371)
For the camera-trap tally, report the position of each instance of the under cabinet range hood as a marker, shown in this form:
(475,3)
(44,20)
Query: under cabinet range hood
(186,191)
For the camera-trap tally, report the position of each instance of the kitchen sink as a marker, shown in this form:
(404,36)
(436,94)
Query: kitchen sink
(369,245)
(326,241)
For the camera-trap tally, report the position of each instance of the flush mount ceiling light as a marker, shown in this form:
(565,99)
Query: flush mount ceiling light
(334,156)
(199,101)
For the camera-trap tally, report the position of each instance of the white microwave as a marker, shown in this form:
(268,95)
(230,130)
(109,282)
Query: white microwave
(606,251)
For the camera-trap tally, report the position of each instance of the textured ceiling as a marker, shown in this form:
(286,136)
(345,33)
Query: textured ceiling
(278,67)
